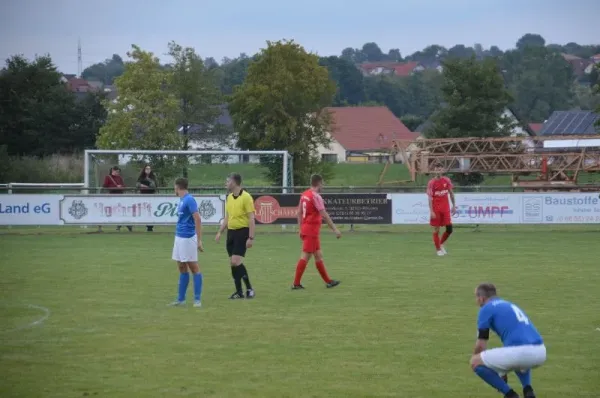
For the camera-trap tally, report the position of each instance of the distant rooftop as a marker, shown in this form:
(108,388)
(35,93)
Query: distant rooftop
(570,123)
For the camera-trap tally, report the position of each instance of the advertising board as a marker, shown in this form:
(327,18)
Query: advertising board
(509,208)
(342,208)
(29,209)
(134,209)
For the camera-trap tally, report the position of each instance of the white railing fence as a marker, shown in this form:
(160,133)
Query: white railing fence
(15,185)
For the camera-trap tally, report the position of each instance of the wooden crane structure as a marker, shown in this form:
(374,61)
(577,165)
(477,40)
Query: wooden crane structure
(547,162)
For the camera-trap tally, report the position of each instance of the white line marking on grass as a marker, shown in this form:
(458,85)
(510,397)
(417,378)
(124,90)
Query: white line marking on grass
(37,322)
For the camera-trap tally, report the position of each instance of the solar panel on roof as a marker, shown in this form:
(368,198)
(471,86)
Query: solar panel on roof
(570,123)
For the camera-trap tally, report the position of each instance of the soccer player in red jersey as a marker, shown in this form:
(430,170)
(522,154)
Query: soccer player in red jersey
(438,190)
(311,213)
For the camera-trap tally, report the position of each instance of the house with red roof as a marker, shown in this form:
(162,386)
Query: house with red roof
(390,68)
(536,127)
(363,134)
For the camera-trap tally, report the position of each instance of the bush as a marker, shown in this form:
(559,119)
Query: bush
(50,169)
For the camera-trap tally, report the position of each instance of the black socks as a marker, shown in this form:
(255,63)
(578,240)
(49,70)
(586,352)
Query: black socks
(245,276)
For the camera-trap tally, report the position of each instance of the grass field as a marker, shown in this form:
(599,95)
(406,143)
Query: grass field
(402,324)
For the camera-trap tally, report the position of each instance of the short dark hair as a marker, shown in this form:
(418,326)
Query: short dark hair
(486,290)
(315,180)
(115,168)
(181,183)
(236,177)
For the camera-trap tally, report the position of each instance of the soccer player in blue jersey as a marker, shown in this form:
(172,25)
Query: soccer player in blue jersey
(523,349)
(188,242)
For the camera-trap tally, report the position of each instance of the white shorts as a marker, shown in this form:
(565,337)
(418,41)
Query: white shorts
(518,358)
(185,250)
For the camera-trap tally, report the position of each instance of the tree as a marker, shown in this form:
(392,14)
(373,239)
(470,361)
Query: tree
(417,95)
(38,115)
(106,71)
(394,55)
(280,106)
(233,72)
(539,80)
(373,53)
(146,113)
(530,40)
(412,121)
(460,51)
(349,80)
(196,89)
(89,117)
(495,52)
(475,99)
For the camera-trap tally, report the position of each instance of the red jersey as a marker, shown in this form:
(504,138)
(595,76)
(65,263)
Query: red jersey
(311,205)
(438,189)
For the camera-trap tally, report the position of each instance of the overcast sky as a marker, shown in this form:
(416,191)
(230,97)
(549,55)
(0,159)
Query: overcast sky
(227,28)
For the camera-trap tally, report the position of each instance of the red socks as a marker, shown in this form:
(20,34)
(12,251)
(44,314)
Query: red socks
(300,267)
(322,271)
(444,237)
(436,241)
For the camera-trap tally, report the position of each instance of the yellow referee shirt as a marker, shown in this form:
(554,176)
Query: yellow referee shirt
(237,209)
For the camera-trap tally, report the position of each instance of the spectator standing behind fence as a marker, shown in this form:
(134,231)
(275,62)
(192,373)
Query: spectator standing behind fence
(146,183)
(114,183)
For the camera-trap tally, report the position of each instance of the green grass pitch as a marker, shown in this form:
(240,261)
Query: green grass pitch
(401,324)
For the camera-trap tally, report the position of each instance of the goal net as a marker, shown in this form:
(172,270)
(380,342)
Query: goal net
(266,171)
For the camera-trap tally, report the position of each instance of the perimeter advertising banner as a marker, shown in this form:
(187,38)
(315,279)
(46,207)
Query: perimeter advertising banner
(135,209)
(343,208)
(29,209)
(479,208)
(509,208)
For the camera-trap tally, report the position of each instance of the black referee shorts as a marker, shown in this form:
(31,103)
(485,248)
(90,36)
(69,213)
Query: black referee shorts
(236,241)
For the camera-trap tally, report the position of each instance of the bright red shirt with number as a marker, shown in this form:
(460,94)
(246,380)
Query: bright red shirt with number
(438,189)
(311,205)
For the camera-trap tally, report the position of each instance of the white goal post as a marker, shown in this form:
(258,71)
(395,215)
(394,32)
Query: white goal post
(287,175)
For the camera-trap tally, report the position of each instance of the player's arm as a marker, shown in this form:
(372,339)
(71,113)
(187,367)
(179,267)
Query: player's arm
(251,224)
(222,227)
(329,222)
(320,205)
(451,194)
(483,330)
(198,224)
(249,207)
(193,208)
(482,339)
(430,199)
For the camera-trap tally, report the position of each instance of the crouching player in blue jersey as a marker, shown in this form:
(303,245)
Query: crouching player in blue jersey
(523,346)
(188,241)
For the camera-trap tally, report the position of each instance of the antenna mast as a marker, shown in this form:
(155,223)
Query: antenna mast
(79,63)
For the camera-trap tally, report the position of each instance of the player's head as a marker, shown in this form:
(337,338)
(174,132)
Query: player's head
(181,186)
(438,169)
(484,292)
(233,181)
(316,182)
(115,171)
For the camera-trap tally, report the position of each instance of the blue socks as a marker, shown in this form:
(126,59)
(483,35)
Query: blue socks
(184,280)
(525,378)
(492,378)
(197,286)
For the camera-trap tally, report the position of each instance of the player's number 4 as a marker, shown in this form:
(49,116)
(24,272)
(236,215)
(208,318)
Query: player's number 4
(519,314)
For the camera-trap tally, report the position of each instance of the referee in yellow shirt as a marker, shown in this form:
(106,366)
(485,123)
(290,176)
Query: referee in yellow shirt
(240,224)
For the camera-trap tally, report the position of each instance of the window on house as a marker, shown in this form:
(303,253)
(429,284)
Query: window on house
(329,158)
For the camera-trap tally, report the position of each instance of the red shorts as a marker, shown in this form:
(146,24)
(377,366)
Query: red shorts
(442,219)
(311,243)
